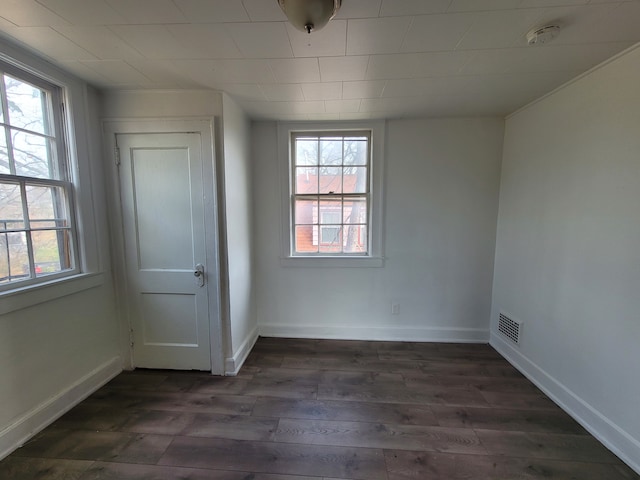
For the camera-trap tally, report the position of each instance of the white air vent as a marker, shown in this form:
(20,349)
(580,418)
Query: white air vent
(510,328)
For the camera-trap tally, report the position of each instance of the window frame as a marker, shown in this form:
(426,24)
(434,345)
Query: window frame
(81,133)
(374,255)
(55,132)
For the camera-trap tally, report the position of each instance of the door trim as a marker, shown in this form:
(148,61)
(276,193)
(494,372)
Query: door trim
(205,127)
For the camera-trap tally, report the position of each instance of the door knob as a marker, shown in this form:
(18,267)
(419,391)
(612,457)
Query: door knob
(199,274)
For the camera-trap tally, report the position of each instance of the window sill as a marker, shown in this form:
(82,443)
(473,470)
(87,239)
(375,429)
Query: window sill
(24,297)
(332,262)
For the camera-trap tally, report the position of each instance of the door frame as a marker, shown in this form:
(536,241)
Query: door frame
(204,127)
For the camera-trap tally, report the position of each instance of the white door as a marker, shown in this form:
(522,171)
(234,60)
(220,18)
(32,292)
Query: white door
(163,214)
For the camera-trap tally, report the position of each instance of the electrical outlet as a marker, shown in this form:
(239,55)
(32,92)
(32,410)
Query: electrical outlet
(395,308)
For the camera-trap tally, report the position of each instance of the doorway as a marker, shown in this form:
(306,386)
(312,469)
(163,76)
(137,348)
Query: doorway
(170,268)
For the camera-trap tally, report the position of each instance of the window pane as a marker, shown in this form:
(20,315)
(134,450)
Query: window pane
(11,215)
(355,239)
(306,239)
(331,151)
(306,212)
(355,151)
(51,251)
(47,207)
(355,180)
(306,151)
(4,154)
(14,259)
(330,212)
(329,235)
(331,218)
(331,240)
(26,105)
(306,180)
(330,180)
(355,211)
(32,155)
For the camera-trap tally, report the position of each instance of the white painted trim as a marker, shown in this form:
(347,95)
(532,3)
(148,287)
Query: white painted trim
(573,80)
(233,364)
(38,418)
(614,437)
(332,262)
(401,334)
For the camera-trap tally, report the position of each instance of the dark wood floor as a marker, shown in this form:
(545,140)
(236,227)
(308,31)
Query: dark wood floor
(312,409)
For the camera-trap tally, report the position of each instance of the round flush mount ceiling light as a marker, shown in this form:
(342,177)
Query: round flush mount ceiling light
(542,35)
(309,15)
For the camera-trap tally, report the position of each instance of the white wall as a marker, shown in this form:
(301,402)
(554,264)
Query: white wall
(161,104)
(567,256)
(59,343)
(239,232)
(441,197)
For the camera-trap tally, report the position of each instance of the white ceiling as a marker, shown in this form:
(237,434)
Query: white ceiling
(377,58)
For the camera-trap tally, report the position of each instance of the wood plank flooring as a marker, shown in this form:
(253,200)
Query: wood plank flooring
(322,410)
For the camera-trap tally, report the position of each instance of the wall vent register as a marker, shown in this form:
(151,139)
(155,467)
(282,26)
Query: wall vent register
(509,328)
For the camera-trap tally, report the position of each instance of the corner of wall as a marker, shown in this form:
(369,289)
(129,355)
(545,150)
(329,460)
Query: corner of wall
(614,437)
(233,364)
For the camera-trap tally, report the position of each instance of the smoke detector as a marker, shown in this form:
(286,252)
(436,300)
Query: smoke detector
(542,35)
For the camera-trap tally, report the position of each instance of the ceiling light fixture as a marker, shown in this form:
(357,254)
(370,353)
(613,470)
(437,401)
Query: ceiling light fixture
(539,36)
(309,15)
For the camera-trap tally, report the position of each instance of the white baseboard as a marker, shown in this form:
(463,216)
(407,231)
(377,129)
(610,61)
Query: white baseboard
(401,334)
(36,419)
(233,364)
(609,433)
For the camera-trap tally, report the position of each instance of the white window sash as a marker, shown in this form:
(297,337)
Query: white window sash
(60,169)
(374,256)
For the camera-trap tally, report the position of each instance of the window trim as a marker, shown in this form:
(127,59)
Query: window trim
(79,128)
(374,257)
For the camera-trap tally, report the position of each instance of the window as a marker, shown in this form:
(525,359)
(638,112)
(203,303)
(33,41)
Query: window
(331,192)
(333,202)
(37,232)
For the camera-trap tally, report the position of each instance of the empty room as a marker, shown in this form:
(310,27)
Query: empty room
(319,239)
